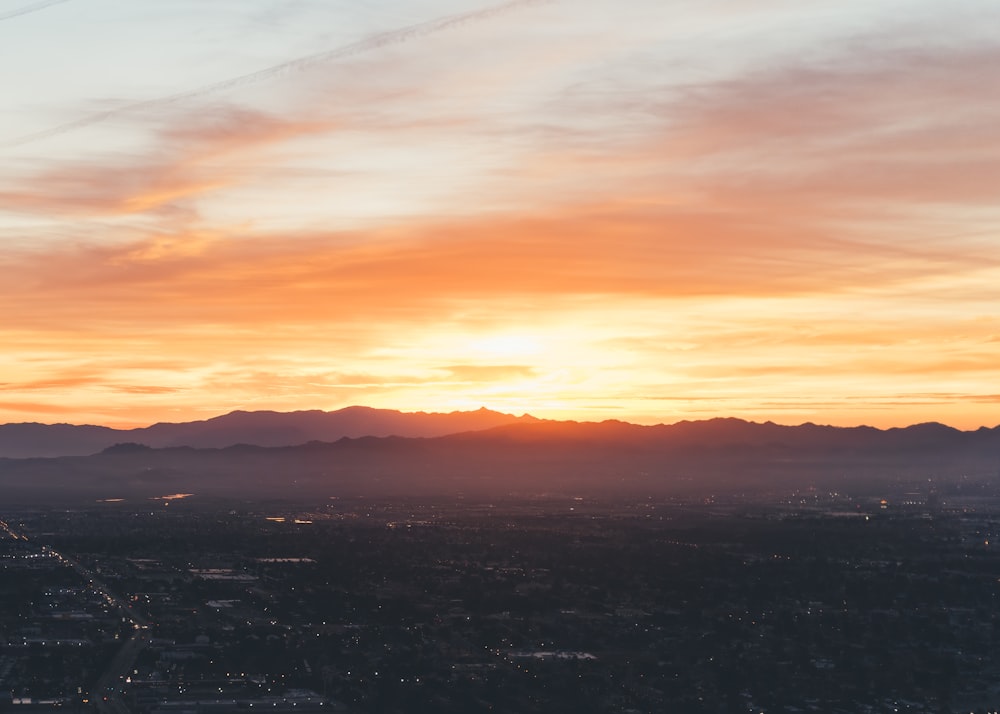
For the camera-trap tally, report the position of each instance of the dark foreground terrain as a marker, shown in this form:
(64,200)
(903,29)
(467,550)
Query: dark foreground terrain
(808,602)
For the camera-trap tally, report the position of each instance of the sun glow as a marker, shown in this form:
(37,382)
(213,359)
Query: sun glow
(555,224)
(506,346)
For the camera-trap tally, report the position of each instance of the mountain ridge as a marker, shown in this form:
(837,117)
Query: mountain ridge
(274,428)
(265,428)
(529,456)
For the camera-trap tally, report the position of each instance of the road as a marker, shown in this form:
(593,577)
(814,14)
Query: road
(121,665)
(109,683)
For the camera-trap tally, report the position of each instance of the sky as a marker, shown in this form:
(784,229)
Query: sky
(648,210)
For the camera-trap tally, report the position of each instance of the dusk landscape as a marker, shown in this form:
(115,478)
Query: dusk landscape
(536,356)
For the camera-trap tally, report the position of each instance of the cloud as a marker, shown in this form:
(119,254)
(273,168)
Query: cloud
(982,398)
(45,385)
(28,9)
(228,277)
(489,373)
(38,407)
(202,156)
(887,366)
(373,42)
(142,389)
(897,125)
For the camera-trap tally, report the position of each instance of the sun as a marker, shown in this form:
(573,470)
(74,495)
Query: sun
(506,346)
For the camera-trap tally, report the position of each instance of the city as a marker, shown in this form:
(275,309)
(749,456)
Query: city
(805,602)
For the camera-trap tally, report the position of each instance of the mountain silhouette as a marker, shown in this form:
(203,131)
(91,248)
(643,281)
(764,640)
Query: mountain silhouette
(261,428)
(523,456)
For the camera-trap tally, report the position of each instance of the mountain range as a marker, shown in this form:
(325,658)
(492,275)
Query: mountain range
(381,453)
(260,428)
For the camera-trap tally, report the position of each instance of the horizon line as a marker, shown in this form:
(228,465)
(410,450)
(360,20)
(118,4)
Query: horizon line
(522,415)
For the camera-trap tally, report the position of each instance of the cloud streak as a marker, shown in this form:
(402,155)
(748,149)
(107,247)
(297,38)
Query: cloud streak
(28,9)
(189,162)
(300,64)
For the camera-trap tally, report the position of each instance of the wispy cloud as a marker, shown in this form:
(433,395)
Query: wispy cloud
(28,9)
(190,161)
(491,372)
(299,64)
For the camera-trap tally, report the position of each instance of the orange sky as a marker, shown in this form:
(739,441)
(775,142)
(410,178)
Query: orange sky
(639,210)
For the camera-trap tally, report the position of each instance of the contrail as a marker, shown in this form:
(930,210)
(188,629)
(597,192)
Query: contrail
(31,8)
(383,39)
